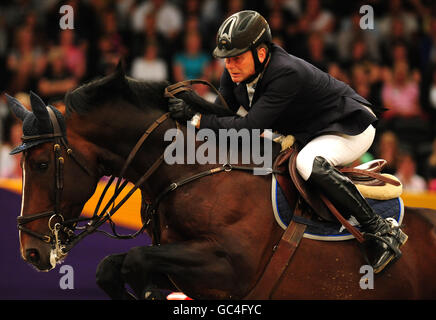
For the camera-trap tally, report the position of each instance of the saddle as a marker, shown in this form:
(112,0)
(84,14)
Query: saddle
(367,178)
(314,205)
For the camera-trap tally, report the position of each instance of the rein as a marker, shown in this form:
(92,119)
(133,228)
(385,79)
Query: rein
(181,86)
(98,219)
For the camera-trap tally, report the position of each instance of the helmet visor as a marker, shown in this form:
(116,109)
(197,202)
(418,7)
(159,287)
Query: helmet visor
(222,53)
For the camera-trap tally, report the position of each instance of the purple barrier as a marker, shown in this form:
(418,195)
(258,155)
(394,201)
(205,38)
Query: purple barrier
(19,280)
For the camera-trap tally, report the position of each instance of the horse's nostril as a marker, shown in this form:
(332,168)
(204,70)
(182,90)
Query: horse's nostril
(32,255)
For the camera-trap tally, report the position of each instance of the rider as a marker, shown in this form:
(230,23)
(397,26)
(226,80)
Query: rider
(271,89)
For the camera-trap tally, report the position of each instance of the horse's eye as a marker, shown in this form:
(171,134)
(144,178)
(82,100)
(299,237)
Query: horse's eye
(43,166)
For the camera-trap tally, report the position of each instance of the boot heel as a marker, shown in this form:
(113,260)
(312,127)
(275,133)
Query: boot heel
(388,263)
(402,237)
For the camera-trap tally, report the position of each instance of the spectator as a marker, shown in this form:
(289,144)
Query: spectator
(360,81)
(350,31)
(412,182)
(401,94)
(335,70)
(149,33)
(10,165)
(428,46)
(191,8)
(4,36)
(279,18)
(366,80)
(388,149)
(316,51)
(192,63)
(111,33)
(431,168)
(75,58)
(294,6)
(215,71)
(398,36)
(313,20)
(210,19)
(87,18)
(359,56)
(25,61)
(123,9)
(397,14)
(317,19)
(191,25)
(169,19)
(398,53)
(233,6)
(57,79)
(432,101)
(149,66)
(108,57)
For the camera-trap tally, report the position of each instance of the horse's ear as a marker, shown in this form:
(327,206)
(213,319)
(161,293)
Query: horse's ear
(17,108)
(120,75)
(119,70)
(40,111)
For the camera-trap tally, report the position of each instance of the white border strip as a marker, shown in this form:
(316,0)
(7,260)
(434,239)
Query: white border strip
(274,203)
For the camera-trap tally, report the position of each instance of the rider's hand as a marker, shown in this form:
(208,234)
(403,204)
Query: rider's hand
(180,110)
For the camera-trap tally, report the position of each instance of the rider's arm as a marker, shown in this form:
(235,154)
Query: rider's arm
(278,96)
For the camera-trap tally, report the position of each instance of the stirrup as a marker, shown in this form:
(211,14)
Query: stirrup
(368,236)
(398,236)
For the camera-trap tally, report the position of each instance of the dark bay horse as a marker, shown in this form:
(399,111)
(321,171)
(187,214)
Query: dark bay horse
(217,233)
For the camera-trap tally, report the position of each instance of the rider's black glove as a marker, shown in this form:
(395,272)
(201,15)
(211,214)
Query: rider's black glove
(180,110)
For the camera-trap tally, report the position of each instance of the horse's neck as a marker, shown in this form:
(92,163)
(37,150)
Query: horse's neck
(112,135)
(187,165)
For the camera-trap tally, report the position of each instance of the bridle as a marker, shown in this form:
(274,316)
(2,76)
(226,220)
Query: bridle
(57,222)
(54,226)
(150,215)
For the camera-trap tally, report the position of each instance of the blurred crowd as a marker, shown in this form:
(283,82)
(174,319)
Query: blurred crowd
(392,65)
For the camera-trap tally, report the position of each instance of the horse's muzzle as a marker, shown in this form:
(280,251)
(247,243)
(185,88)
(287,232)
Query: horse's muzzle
(32,256)
(38,258)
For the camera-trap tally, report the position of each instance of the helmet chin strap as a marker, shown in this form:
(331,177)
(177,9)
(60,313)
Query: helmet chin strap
(258,66)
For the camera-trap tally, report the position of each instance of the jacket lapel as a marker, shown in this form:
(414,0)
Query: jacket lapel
(241,95)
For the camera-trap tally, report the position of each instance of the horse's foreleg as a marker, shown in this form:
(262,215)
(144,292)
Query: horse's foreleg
(108,277)
(193,266)
(110,280)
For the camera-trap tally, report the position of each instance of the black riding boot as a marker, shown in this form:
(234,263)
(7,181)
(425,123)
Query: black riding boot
(384,237)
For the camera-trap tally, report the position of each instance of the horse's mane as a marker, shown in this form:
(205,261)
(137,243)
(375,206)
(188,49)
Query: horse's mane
(142,94)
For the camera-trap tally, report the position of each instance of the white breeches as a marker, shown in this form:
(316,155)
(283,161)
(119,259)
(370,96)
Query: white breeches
(337,149)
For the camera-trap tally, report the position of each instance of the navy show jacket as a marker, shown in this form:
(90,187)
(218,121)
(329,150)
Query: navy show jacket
(293,97)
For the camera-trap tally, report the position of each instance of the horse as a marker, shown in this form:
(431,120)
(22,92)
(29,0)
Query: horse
(215,234)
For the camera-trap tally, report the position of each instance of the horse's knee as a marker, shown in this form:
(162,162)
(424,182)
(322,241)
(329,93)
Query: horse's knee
(135,262)
(108,270)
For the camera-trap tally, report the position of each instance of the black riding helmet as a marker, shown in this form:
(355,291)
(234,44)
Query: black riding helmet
(240,32)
